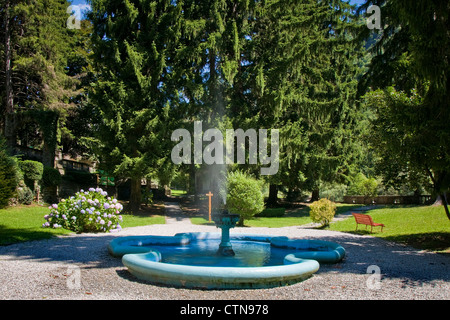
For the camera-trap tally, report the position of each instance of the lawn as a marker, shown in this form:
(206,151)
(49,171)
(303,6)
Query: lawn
(293,218)
(24,223)
(423,227)
(178,193)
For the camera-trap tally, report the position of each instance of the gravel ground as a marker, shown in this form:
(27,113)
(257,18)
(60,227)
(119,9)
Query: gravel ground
(79,267)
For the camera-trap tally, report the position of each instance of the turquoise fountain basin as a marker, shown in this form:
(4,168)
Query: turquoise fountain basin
(191,260)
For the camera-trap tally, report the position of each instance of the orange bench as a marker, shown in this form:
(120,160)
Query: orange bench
(367,220)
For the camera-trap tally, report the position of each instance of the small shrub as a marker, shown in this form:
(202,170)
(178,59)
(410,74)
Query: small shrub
(87,211)
(244,195)
(51,178)
(322,211)
(25,195)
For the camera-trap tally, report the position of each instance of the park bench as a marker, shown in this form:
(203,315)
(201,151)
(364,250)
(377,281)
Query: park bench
(367,220)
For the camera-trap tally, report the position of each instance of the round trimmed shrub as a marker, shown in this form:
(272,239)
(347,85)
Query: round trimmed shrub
(87,211)
(32,170)
(244,195)
(322,211)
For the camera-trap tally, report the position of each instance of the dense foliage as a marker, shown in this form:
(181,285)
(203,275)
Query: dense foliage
(8,175)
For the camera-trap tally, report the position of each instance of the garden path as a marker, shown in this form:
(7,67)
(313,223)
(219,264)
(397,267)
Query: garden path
(174,214)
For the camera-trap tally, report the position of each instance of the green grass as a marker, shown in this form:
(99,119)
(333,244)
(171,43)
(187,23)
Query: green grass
(423,227)
(201,220)
(178,193)
(131,220)
(296,218)
(24,223)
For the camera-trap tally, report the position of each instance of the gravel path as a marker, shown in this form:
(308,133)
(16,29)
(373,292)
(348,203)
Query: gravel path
(79,267)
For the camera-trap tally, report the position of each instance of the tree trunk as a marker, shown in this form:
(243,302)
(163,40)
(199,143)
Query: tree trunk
(191,189)
(9,125)
(273,195)
(445,204)
(438,201)
(315,195)
(48,155)
(49,126)
(135,195)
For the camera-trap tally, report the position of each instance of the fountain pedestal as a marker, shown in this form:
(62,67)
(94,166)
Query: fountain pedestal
(225,221)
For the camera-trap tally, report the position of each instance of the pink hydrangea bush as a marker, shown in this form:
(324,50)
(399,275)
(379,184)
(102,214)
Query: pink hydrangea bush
(87,211)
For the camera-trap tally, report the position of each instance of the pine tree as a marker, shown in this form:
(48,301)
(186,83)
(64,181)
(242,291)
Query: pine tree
(134,45)
(303,65)
(37,87)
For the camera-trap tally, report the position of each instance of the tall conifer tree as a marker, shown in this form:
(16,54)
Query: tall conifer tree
(37,86)
(133,44)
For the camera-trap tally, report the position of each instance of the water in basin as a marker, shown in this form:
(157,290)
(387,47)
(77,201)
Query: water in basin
(204,253)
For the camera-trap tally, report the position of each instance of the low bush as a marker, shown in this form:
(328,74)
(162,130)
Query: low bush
(25,195)
(322,211)
(87,211)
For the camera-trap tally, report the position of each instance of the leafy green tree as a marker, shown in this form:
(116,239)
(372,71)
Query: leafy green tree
(361,185)
(411,64)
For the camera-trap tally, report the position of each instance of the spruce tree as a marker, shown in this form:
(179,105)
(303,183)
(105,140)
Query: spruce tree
(37,87)
(303,63)
(133,45)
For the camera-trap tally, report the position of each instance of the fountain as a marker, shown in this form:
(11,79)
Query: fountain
(220,260)
(225,221)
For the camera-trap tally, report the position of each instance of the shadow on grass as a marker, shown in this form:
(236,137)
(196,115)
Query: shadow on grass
(15,235)
(434,241)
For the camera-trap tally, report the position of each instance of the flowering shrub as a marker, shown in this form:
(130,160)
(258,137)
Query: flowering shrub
(87,211)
